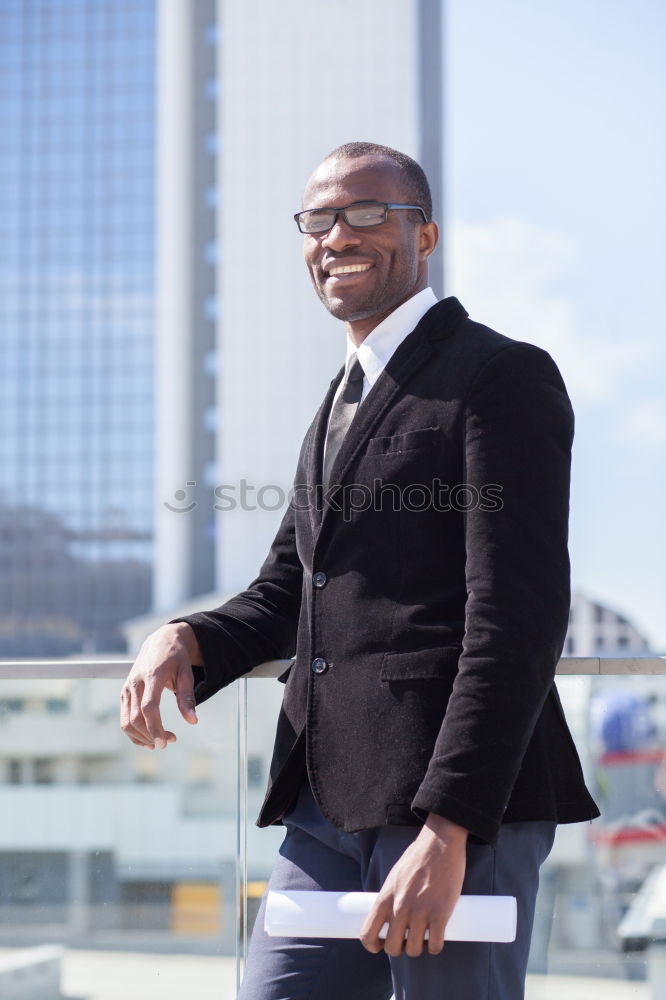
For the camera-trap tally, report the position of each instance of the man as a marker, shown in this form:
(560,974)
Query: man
(421,572)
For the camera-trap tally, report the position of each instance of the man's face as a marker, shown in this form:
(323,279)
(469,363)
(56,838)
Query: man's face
(393,256)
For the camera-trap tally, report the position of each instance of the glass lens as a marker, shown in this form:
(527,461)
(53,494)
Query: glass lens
(367,213)
(316,221)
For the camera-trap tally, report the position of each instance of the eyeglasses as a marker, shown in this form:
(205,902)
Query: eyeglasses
(360,215)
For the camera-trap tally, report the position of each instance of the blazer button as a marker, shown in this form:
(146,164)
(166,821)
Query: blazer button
(319,579)
(319,665)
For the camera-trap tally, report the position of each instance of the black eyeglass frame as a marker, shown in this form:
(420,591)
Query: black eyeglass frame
(343,212)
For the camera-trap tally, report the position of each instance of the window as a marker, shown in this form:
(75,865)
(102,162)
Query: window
(210,252)
(146,768)
(56,706)
(43,771)
(210,363)
(11,706)
(210,418)
(200,769)
(210,308)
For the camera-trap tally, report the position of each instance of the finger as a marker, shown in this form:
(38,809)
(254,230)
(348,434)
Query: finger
(378,916)
(185,695)
(436,931)
(139,743)
(150,710)
(131,718)
(415,935)
(395,943)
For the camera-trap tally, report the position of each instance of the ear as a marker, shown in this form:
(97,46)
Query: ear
(428,238)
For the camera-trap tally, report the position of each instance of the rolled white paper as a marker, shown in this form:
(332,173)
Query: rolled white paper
(342,914)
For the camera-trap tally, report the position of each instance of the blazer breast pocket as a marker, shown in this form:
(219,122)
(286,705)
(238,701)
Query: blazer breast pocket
(422,439)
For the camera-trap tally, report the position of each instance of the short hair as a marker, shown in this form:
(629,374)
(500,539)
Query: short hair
(416,182)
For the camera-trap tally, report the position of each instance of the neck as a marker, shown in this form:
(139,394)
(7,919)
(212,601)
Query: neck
(359,329)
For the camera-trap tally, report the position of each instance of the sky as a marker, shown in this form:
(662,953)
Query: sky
(555,233)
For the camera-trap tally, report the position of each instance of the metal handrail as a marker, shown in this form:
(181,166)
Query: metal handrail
(62,669)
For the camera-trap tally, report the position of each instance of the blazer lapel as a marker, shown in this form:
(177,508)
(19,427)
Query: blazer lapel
(438,323)
(414,352)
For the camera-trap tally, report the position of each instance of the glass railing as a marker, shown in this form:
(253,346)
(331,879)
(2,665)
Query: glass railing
(123,866)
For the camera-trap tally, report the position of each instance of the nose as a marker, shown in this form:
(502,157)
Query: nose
(340,236)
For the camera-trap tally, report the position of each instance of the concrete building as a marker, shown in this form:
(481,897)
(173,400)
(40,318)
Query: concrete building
(293,81)
(187,306)
(597,630)
(99,839)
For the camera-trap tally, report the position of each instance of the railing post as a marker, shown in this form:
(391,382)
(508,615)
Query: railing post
(241,835)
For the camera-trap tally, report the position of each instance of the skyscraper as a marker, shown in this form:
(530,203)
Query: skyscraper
(295,80)
(76,318)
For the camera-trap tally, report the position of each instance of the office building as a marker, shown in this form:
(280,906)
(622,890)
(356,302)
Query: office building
(76,321)
(294,81)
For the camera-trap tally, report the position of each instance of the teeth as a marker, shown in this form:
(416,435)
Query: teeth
(349,269)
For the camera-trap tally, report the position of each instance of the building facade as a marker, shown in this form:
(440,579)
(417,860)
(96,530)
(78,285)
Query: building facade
(77,158)
(294,81)
(597,630)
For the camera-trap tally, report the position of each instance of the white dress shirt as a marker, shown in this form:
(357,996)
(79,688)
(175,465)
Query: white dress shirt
(379,346)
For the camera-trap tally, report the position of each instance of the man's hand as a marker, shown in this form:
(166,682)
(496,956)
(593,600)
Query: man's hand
(420,892)
(165,661)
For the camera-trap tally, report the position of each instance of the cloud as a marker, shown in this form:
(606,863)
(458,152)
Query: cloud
(510,274)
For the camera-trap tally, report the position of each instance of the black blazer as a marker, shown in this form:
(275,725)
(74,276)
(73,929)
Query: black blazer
(427,596)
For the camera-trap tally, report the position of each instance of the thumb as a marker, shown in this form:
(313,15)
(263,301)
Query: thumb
(185,695)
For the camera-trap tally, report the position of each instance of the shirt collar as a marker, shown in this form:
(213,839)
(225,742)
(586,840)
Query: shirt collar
(376,350)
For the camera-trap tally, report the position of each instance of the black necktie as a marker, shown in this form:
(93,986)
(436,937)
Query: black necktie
(342,413)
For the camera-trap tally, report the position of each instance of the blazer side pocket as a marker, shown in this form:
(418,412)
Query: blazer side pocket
(439,664)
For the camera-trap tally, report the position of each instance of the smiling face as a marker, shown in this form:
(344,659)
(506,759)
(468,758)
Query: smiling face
(362,275)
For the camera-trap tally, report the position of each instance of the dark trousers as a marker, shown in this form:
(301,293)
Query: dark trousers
(316,855)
